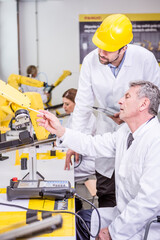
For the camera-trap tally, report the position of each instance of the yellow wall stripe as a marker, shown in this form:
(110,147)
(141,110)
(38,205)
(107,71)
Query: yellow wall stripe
(131,16)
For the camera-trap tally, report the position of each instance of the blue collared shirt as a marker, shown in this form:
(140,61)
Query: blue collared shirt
(115,70)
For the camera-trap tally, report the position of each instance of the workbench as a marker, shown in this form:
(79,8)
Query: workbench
(52,168)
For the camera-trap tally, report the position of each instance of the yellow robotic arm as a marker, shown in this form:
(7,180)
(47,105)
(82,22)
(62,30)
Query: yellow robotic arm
(7,96)
(48,89)
(62,77)
(16,81)
(12,100)
(12,95)
(6,114)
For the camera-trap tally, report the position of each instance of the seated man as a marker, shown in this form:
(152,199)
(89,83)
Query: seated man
(137,164)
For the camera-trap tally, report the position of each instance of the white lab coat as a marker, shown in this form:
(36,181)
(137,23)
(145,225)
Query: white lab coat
(87,166)
(98,82)
(137,176)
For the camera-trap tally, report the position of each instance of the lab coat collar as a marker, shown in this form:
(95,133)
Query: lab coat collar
(142,129)
(128,58)
(122,171)
(147,125)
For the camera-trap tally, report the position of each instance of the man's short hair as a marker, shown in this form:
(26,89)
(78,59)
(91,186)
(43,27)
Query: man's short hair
(150,91)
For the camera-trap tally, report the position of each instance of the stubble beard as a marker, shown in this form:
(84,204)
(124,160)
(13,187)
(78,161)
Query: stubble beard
(105,62)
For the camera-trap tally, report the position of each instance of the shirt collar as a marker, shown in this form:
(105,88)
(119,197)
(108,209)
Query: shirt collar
(120,65)
(115,70)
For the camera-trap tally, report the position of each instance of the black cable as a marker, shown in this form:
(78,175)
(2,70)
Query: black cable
(63,211)
(99,227)
(29,209)
(54,107)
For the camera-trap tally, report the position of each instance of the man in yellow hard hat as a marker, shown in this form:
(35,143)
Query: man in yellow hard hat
(104,77)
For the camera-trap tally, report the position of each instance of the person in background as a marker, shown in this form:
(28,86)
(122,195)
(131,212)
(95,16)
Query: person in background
(135,147)
(105,75)
(68,98)
(85,169)
(32,73)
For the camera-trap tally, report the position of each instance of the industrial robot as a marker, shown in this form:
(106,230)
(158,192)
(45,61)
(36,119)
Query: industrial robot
(20,105)
(17,80)
(23,106)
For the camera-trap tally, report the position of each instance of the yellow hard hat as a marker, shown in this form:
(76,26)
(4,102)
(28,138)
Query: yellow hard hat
(114,32)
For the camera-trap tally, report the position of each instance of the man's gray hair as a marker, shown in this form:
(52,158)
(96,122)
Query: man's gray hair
(150,91)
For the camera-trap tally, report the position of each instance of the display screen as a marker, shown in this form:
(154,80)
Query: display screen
(27,184)
(54,184)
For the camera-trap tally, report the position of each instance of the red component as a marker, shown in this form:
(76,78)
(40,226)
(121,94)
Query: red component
(15,179)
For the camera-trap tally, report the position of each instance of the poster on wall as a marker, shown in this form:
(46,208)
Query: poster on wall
(146,31)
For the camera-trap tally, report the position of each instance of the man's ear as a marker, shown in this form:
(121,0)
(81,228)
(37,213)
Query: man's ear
(123,50)
(144,104)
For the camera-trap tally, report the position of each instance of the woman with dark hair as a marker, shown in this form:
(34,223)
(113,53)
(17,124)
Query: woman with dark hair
(69,104)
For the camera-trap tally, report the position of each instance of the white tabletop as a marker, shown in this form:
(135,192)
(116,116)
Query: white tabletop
(50,169)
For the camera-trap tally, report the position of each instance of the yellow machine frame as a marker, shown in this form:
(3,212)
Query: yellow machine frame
(12,100)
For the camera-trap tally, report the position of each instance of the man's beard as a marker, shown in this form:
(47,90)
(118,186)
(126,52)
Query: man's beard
(107,60)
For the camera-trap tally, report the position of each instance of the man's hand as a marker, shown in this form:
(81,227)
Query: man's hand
(68,160)
(104,234)
(50,122)
(116,118)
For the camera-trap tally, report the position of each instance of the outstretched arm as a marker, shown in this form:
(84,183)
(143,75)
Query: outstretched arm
(79,142)
(51,123)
